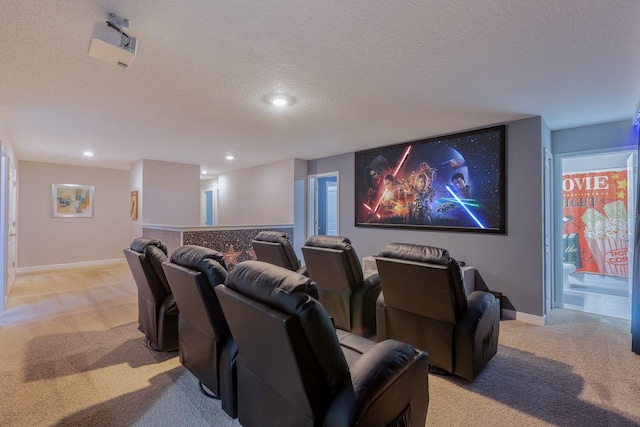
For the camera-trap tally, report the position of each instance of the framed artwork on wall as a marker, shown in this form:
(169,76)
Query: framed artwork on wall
(449,183)
(72,200)
(133,206)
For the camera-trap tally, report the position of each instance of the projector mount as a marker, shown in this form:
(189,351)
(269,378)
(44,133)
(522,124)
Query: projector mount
(118,23)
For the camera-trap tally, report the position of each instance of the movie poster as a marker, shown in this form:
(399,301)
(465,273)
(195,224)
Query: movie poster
(595,222)
(455,182)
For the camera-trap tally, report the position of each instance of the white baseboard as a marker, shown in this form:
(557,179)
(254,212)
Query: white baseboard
(70,265)
(523,317)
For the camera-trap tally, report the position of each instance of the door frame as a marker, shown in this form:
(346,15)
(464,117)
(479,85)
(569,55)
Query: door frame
(557,288)
(548,234)
(4,228)
(312,205)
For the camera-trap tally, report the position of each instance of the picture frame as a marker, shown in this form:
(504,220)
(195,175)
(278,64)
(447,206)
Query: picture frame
(133,205)
(454,182)
(72,200)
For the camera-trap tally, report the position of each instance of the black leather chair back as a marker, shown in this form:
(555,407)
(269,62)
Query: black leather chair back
(274,247)
(286,344)
(333,264)
(292,370)
(206,346)
(157,311)
(145,257)
(423,302)
(409,271)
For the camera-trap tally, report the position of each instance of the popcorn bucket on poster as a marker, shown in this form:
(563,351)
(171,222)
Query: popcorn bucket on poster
(611,255)
(607,239)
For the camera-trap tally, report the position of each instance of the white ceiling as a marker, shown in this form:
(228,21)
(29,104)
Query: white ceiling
(365,73)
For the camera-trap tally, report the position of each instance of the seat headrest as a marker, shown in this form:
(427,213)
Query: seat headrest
(329,242)
(141,243)
(282,239)
(191,256)
(271,236)
(272,285)
(207,261)
(417,253)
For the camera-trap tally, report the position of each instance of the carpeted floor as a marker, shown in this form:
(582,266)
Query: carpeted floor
(72,356)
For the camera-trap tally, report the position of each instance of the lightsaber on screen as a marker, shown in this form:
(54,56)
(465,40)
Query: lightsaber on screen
(404,157)
(370,210)
(461,203)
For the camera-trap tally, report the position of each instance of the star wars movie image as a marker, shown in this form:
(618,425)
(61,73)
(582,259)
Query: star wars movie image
(453,182)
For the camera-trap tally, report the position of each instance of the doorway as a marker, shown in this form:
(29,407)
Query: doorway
(208,207)
(597,226)
(323,204)
(8,210)
(3,230)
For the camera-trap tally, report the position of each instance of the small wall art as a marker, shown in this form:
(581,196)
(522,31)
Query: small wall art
(133,206)
(72,200)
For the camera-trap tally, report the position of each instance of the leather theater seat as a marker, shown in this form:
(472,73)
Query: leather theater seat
(294,371)
(275,248)
(348,297)
(157,309)
(423,302)
(206,346)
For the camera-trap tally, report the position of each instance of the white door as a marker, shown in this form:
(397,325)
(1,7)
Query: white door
(631,203)
(332,209)
(548,223)
(12,247)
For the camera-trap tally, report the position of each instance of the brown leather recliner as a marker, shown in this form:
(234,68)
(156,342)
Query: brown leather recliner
(157,309)
(206,346)
(423,302)
(348,297)
(275,248)
(293,370)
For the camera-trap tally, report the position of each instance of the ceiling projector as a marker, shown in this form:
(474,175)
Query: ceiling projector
(109,43)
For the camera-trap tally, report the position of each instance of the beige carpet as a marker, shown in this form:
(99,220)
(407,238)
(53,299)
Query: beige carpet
(72,356)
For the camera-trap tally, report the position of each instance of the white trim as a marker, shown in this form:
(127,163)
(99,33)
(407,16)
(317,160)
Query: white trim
(70,265)
(181,228)
(523,317)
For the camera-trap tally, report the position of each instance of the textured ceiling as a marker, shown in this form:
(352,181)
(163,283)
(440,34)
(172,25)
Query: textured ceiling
(365,73)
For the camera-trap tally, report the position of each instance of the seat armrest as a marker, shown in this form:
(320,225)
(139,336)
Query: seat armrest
(303,270)
(479,303)
(371,377)
(371,291)
(381,318)
(363,307)
(380,301)
(170,306)
(476,335)
(372,281)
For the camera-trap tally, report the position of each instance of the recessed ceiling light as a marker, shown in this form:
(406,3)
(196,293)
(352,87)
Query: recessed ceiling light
(88,154)
(229,157)
(204,172)
(279,100)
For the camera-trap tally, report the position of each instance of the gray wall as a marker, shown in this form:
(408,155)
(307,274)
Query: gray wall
(610,136)
(512,263)
(44,240)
